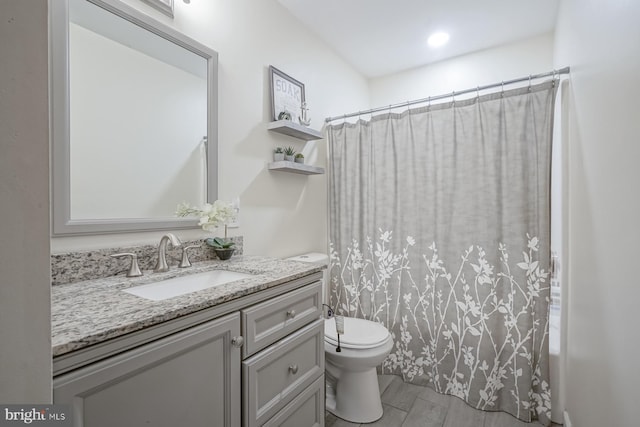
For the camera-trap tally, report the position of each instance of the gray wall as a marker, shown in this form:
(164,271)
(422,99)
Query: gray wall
(25,343)
(600,40)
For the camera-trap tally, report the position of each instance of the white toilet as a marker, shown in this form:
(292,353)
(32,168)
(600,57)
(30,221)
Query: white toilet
(352,382)
(352,391)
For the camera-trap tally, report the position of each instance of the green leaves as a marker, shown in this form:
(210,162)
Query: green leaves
(218,243)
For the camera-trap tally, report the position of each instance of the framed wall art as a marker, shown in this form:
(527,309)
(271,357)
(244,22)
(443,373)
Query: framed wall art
(287,95)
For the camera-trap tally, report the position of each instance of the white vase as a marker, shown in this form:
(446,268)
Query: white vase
(299,159)
(288,158)
(278,157)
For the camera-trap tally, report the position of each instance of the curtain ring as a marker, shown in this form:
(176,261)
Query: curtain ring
(429,104)
(478,92)
(453,98)
(529,82)
(502,91)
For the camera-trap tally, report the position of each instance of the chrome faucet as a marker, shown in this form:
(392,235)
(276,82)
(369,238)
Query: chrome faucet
(161,265)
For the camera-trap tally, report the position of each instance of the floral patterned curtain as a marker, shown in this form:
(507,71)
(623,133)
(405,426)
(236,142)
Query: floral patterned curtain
(440,230)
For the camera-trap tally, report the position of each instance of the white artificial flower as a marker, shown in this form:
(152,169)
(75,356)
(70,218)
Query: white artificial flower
(212,215)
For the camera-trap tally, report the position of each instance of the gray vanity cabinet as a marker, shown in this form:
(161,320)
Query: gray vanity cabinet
(259,362)
(190,378)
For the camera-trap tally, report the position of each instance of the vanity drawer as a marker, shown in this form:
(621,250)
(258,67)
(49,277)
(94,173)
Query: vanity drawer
(306,410)
(275,376)
(267,322)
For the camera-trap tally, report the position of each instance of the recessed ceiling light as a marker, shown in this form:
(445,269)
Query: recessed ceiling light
(438,39)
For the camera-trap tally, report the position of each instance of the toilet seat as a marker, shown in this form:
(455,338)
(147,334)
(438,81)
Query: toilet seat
(359,333)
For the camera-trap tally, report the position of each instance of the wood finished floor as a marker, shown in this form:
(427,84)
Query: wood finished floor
(408,405)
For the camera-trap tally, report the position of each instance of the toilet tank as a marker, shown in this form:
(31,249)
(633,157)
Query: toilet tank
(319,259)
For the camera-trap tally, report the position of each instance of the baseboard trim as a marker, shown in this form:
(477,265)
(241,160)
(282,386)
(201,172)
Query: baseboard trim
(567,420)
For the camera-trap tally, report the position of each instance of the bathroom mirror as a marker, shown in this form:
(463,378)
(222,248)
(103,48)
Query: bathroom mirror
(134,110)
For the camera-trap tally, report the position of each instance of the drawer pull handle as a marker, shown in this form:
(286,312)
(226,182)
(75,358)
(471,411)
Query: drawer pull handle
(291,314)
(237,341)
(293,369)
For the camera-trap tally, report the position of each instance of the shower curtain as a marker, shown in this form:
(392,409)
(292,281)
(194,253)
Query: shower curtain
(439,224)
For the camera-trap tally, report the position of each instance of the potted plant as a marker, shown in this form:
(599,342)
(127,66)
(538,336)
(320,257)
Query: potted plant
(299,158)
(213,215)
(284,115)
(223,248)
(278,154)
(289,152)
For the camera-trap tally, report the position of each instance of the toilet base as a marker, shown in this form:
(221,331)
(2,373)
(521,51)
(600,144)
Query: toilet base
(359,396)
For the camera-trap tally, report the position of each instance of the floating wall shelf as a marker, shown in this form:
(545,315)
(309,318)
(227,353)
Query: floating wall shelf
(287,127)
(293,167)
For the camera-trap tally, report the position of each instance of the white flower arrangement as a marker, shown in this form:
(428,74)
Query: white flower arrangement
(212,215)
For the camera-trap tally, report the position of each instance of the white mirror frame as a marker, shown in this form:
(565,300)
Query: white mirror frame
(61,222)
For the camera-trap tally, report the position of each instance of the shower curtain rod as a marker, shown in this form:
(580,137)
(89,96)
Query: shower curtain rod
(530,77)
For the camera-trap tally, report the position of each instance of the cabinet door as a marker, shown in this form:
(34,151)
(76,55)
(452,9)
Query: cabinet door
(191,378)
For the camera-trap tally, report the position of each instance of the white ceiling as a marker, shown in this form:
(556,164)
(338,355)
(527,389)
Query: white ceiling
(380,37)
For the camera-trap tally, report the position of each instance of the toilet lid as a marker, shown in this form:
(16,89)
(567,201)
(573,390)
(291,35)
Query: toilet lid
(358,333)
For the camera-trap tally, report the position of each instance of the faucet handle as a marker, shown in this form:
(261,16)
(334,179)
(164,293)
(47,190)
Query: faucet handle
(134,269)
(185,256)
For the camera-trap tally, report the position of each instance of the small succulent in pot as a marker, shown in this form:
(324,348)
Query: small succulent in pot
(224,248)
(289,152)
(278,154)
(299,158)
(284,115)
(219,243)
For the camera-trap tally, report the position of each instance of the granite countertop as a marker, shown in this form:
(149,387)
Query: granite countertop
(89,312)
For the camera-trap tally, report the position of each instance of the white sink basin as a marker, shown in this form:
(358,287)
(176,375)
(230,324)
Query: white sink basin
(185,284)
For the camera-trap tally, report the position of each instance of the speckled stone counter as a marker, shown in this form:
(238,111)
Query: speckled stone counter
(90,312)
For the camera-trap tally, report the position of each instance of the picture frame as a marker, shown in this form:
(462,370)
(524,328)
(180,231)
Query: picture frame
(287,95)
(164,6)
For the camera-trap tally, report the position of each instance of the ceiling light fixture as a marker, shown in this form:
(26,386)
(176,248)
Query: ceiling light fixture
(438,39)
